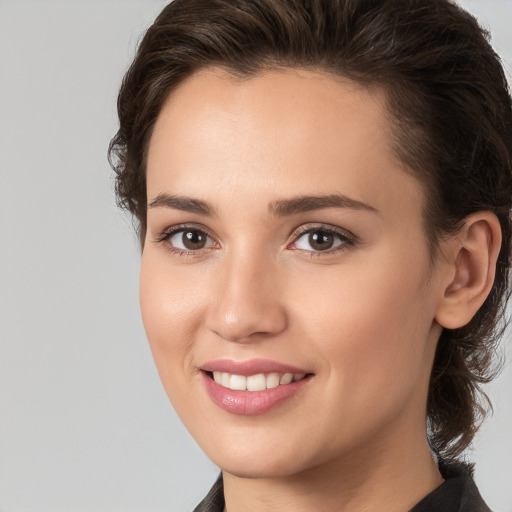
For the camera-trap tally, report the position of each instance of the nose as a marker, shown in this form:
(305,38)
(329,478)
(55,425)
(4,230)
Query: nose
(248,300)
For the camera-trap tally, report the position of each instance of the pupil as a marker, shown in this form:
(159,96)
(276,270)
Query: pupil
(321,240)
(193,240)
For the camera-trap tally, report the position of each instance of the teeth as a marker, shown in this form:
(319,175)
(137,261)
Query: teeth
(225,378)
(286,379)
(238,382)
(272,380)
(257,382)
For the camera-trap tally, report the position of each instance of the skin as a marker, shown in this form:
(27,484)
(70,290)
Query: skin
(361,317)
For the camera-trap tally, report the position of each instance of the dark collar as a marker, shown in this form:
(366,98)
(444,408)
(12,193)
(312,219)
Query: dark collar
(458,493)
(214,500)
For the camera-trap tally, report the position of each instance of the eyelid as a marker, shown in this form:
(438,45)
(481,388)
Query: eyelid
(169,232)
(172,230)
(348,239)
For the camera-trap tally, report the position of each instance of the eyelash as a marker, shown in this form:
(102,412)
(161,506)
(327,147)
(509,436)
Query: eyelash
(164,237)
(346,239)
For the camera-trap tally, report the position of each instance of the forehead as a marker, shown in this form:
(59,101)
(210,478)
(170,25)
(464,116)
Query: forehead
(293,103)
(281,132)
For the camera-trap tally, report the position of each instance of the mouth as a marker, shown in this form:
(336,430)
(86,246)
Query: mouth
(256,382)
(252,387)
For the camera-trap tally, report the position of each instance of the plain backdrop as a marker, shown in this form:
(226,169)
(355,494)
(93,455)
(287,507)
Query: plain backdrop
(84,422)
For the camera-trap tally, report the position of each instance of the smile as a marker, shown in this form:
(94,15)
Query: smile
(252,387)
(258,382)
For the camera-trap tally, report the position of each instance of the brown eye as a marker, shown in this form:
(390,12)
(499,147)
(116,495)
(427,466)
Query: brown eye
(190,240)
(320,240)
(194,240)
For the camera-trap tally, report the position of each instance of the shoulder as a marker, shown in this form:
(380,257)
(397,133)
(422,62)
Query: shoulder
(458,493)
(214,500)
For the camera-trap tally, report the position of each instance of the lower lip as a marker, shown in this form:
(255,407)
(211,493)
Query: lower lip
(250,403)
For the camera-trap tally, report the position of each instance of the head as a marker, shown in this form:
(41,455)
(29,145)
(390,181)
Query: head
(444,97)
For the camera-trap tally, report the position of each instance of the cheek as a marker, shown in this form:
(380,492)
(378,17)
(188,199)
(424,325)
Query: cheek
(371,329)
(171,305)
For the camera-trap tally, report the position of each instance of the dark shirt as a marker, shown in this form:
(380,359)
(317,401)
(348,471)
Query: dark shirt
(458,493)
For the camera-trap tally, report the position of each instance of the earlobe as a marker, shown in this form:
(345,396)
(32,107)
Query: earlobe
(472,267)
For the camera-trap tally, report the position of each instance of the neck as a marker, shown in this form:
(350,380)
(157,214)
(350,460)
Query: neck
(388,478)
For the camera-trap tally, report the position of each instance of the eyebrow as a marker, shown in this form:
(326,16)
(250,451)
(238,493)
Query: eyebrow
(302,204)
(279,208)
(186,204)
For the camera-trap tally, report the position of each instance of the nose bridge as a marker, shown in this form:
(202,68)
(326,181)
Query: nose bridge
(248,299)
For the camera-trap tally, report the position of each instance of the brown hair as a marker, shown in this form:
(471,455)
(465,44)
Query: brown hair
(450,107)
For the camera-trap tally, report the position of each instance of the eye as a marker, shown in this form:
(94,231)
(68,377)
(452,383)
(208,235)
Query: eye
(186,239)
(322,239)
(190,240)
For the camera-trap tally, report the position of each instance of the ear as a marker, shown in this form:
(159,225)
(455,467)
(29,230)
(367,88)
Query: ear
(471,256)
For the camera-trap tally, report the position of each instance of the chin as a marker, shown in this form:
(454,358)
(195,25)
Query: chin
(258,461)
(269,468)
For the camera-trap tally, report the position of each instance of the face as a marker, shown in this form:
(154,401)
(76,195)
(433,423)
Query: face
(286,287)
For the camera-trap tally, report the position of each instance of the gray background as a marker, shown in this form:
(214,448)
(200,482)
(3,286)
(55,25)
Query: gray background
(84,422)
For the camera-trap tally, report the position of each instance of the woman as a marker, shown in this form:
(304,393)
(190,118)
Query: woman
(323,191)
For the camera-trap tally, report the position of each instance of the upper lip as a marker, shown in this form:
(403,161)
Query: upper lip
(250,367)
